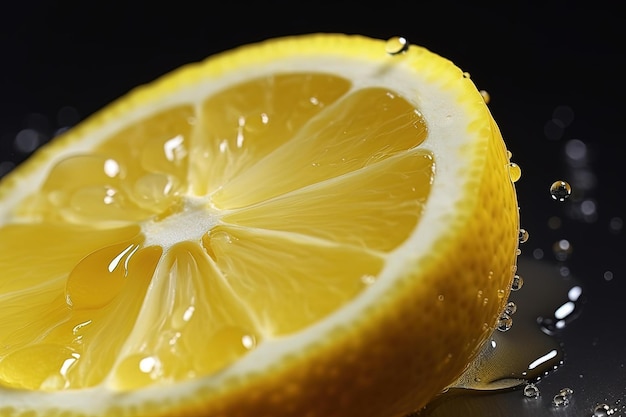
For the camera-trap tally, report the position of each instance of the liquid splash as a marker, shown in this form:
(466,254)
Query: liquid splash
(526,353)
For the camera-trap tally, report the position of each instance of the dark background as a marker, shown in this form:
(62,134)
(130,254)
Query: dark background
(554,73)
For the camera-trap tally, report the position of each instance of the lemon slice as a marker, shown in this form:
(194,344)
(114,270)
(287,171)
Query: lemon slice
(318,225)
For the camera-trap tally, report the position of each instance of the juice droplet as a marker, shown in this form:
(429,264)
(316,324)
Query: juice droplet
(560,190)
(396,45)
(485,96)
(515,172)
(137,370)
(517,283)
(523,235)
(42,366)
(531,391)
(98,278)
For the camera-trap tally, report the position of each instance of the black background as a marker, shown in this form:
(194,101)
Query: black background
(62,61)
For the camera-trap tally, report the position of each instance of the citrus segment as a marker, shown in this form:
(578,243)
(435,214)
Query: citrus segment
(234,123)
(285,229)
(363,128)
(358,201)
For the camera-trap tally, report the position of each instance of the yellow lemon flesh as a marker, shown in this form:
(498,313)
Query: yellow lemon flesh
(309,226)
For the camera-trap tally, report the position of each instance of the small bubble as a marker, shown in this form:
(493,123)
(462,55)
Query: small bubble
(517,283)
(523,235)
(510,308)
(560,190)
(608,275)
(538,254)
(505,322)
(531,391)
(515,172)
(396,45)
(486,97)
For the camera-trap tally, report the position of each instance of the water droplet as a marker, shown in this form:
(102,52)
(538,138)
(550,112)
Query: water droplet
(531,391)
(515,172)
(368,279)
(510,308)
(517,283)
(396,45)
(576,152)
(568,309)
(27,140)
(615,224)
(67,116)
(520,356)
(560,400)
(560,190)
(486,97)
(562,249)
(602,410)
(523,235)
(466,75)
(505,322)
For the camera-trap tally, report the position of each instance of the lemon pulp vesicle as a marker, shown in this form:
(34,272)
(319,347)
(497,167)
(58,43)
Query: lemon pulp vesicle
(217,169)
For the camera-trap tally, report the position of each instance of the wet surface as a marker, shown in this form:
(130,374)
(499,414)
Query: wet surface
(555,89)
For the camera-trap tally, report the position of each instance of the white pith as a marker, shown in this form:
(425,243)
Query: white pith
(447,133)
